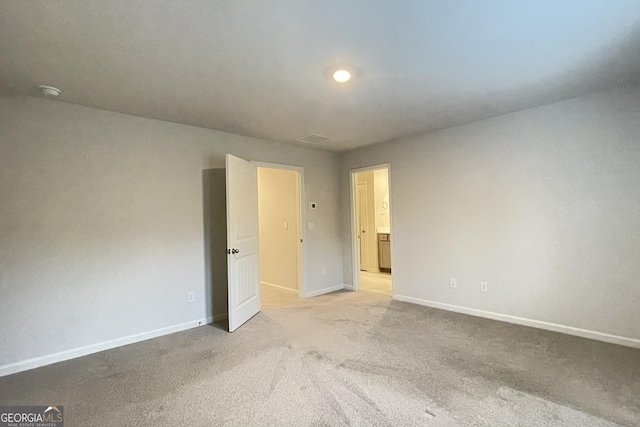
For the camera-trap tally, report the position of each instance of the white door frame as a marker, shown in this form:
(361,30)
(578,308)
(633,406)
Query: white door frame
(302,282)
(355,244)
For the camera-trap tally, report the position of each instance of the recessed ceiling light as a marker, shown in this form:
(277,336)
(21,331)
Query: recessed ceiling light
(49,90)
(341,75)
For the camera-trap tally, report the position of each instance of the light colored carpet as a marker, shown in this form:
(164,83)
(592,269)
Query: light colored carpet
(345,359)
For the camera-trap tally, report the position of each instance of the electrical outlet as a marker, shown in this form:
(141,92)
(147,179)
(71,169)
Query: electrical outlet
(286,225)
(324,271)
(484,287)
(453,282)
(311,226)
(191,296)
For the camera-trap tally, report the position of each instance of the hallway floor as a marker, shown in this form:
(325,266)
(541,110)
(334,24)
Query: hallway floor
(380,283)
(270,296)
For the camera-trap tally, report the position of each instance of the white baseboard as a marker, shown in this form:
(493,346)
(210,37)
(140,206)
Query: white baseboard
(348,287)
(570,330)
(324,291)
(295,291)
(36,362)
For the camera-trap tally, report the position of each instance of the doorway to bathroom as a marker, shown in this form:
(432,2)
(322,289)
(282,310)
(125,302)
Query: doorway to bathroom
(371,230)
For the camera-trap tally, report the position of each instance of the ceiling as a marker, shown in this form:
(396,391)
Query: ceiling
(259,68)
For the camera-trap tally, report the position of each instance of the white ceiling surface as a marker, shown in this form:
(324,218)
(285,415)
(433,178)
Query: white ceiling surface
(258,68)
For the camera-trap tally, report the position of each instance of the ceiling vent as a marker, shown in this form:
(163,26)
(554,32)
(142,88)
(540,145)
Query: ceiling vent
(313,139)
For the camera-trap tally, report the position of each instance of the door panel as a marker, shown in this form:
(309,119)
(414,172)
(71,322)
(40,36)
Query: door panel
(242,241)
(245,269)
(363,221)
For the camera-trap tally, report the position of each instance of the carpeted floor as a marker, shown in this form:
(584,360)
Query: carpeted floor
(345,359)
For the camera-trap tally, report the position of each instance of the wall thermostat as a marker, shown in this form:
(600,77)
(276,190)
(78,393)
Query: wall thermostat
(312,205)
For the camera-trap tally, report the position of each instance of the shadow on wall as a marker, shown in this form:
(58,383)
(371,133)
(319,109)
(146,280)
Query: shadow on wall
(214,202)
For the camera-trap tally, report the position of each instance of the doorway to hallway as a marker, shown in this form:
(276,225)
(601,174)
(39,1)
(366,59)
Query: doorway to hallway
(280,224)
(237,263)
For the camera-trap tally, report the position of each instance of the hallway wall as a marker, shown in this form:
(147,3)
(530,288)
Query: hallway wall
(279,244)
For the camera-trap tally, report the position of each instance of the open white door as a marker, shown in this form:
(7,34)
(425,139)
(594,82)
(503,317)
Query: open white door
(242,241)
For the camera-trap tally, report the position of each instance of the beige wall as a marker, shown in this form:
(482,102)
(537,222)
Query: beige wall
(382,206)
(102,226)
(544,204)
(278,204)
(371,242)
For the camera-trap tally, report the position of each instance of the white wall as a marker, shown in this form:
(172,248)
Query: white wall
(214,202)
(278,204)
(101,223)
(543,204)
